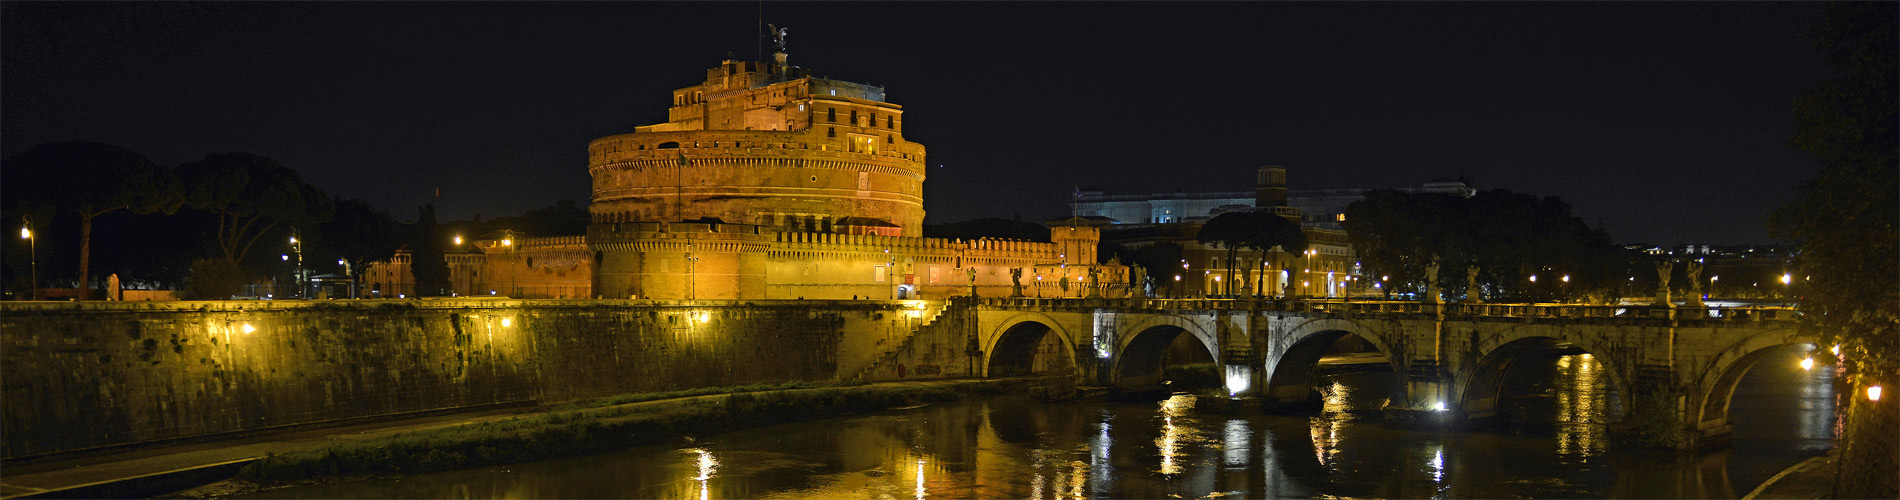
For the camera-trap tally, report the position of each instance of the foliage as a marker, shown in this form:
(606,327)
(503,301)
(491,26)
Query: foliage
(1509,236)
(1159,260)
(358,233)
(251,195)
(89,180)
(1846,221)
(1261,231)
(213,279)
(427,262)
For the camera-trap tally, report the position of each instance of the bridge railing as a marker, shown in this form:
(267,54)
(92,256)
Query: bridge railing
(1378,307)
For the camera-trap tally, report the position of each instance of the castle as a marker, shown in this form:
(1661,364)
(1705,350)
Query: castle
(768,183)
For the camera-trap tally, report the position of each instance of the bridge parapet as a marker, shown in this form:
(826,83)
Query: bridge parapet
(1333,306)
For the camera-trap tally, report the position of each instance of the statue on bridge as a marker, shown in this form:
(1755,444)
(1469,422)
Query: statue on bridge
(1473,293)
(972,272)
(1431,282)
(1663,269)
(1694,273)
(1016,281)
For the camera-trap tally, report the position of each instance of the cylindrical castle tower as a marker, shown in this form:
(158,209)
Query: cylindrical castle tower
(766,144)
(762,145)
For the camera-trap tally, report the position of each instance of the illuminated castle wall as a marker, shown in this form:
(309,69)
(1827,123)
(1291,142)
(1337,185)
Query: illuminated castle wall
(765,182)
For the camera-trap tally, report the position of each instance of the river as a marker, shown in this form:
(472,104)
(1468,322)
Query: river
(1013,447)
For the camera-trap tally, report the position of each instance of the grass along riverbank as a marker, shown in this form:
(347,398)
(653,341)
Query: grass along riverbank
(594,428)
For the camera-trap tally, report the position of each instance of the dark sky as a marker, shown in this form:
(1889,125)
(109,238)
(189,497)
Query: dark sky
(1665,122)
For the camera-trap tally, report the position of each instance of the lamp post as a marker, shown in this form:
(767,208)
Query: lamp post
(347,275)
(32,244)
(297,248)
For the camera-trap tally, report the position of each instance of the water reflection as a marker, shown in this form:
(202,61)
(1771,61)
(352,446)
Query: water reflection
(1013,447)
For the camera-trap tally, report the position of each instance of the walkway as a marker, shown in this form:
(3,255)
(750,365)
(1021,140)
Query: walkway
(152,471)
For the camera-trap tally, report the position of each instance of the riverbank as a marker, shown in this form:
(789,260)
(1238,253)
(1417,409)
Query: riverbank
(464,440)
(1812,478)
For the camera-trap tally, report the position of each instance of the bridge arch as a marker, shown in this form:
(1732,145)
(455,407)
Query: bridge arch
(1478,384)
(1139,348)
(1010,349)
(1715,382)
(1290,363)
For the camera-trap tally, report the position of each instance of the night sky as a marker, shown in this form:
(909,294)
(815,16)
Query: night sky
(1666,123)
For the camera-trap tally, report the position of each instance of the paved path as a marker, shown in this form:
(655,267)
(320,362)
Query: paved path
(145,472)
(1812,478)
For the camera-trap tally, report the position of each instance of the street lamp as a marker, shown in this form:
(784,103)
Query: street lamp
(32,244)
(297,247)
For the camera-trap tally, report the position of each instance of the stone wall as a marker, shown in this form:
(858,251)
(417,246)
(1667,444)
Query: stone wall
(86,375)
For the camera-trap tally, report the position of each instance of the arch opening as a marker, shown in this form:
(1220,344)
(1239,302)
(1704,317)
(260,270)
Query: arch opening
(1167,356)
(1334,371)
(1029,348)
(1546,386)
(1766,399)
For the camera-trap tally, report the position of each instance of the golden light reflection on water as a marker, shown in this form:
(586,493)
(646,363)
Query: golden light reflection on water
(1176,428)
(707,466)
(1584,407)
(1335,411)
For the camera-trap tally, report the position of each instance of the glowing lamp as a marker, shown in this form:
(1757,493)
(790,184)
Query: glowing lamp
(1787,278)
(458,239)
(505,322)
(248,329)
(1873,393)
(26,234)
(1438,406)
(1807,364)
(1533,278)
(507,242)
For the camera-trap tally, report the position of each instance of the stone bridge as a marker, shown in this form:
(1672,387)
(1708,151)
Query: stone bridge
(1682,362)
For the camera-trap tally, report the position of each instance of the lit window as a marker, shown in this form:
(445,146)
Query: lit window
(1340,217)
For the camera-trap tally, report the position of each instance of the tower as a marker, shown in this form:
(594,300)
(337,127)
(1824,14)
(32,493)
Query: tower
(689,208)
(1270,187)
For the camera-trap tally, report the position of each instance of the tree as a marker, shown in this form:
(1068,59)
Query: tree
(1276,232)
(1845,221)
(1508,236)
(1230,231)
(427,262)
(356,233)
(251,195)
(90,180)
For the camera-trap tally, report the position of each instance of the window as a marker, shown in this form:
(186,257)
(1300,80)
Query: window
(872,122)
(889,122)
(888,139)
(831,115)
(854,117)
(877,274)
(831,131)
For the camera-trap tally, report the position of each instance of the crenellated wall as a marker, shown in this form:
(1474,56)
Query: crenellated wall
(93,374)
